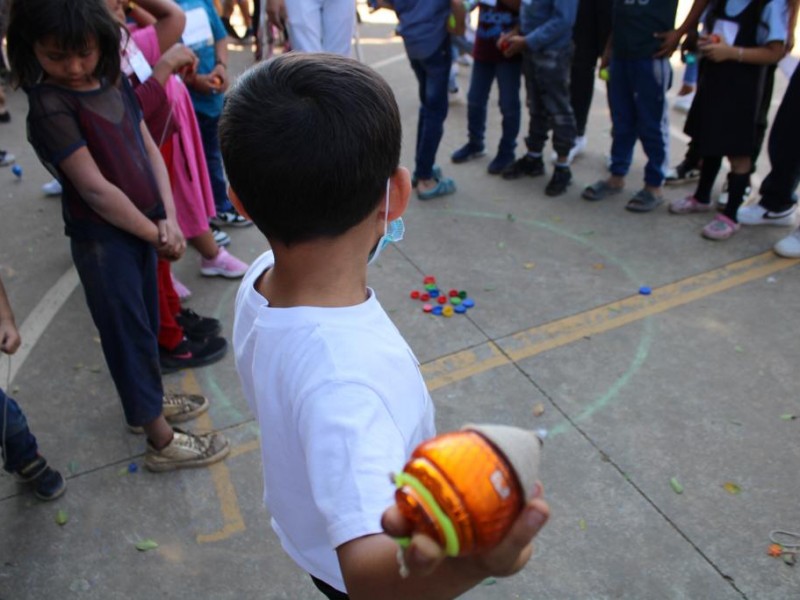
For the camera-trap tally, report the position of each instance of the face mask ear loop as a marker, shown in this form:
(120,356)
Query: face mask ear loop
(386,219)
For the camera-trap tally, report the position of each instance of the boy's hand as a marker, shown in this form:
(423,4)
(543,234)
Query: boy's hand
(9,336)
(219,77)
(513,44)
(669,43)
(276,12)
(206,84)
(171,243)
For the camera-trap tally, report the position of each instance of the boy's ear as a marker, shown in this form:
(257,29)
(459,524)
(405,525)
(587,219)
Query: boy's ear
(237,204)
(399,193)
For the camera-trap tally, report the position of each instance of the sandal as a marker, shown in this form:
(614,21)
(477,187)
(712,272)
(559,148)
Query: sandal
(600,190)
(443,187)
(687,205)
(720,228)
(643,201)
(436,173)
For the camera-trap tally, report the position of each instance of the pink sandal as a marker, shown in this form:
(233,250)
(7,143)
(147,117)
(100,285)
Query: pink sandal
(720,228)
(687,205)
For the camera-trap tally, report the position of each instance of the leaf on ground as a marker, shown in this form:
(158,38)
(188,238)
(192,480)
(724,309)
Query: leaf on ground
(732,488)
(511,217)
(598,266)
(73,466)
(62,517)
(676,485)
(122,471)
(501,245)
(738,349)
(789,559)
(489,288)
(146,545)
(582,524)
(538,409)
(788,417)
(530,265)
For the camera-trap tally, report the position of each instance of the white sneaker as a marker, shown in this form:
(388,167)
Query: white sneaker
(577,149)
(789,247)
(465,59)
(52,188)
(755,214)
(722,200)
(683,103)
(186,451)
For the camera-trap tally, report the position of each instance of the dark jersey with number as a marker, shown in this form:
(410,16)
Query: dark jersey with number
(635,22)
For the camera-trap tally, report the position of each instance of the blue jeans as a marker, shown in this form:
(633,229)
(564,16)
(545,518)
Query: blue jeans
(432,76)
(20,445)
(508,80)
(547,76)
(638,98)
(219,187)
(120,283)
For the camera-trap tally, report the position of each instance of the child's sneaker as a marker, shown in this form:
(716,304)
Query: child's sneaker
(52,188)
(48,484)
(755,214)
(189,354)
(220,237)
(467,152)
(230,218)
(527,165)
(683,173)
(184,293)
(559,182)
(687,205)
(186,451)
(6,158)
(789,247)
(720,228)
(179,407)
(196,327)
(577,149)
(223,265)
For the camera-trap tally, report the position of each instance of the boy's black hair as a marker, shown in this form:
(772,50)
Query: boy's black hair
(72,23)
(308,141)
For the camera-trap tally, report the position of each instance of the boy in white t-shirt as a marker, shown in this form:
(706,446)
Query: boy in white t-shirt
(311,145)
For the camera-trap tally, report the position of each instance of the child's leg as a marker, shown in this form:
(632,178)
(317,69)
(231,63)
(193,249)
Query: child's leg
(338,22)
(508,82)
(738,181)
(623,117)
(208,131)
(119,281)
(708,175)
(170,333)
(19,444)
(762,118)
(480,84)
(304,19)
(552,79)
(652,79)
(539,124)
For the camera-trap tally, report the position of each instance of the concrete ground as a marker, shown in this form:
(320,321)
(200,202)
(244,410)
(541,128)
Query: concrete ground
(689,383)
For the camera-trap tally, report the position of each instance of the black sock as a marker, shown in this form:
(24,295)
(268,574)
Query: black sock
(708,174)
(737,184)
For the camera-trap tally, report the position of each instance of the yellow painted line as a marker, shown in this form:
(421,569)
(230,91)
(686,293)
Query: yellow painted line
(250,446)
(232,521)
(467,363)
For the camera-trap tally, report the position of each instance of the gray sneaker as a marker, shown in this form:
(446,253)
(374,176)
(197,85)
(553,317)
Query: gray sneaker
(179,407)
(187,451)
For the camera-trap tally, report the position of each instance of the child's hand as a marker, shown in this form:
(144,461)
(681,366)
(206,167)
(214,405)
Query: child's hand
(669,43)
(171,243)
(514,44)
(9,336)
(219,77)
(181,60)
(206,84)
(714,48)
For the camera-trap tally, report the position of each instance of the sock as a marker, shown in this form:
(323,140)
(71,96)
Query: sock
(708,174)
(737,183)
(561,165)
(534,154)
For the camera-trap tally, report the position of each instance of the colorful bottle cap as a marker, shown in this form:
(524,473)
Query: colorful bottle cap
(455,301)
(434,293)
(452,293)
(468,303)
(415,295)
(645,291)
(429,279)
(442,299)
(425,297)
(447,311)
(462,294)
(427,308)
(430,286)
(437,310)
(16,170)
(460,309)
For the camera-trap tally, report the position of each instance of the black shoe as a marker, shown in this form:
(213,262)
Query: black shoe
(195,327)
(229,29)
(191,353)
(223,239)
(527,165)
(559,182)
(48,484)
(683,173)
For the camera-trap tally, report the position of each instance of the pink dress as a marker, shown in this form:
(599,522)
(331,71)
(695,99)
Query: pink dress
(188,173)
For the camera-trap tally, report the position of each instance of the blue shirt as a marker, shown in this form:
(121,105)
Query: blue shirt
(207,104)
(423,25)
(547,24)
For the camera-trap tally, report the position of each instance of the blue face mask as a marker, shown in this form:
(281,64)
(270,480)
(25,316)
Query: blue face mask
(392,232)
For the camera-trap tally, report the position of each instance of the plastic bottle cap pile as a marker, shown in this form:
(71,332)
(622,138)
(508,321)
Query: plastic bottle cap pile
(440,303)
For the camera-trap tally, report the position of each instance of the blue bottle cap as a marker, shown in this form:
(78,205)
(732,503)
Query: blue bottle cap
(460,309)
(468,303)
(16,170)
(645,291)
(437,310)
(434,293)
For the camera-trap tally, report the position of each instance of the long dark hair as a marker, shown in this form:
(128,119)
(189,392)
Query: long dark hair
(73,24)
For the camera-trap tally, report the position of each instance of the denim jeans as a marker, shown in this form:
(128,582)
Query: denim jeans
(219,187)
(547,78)
(119,280)
(638,98)
(508,80)
(20,446)
(432,76)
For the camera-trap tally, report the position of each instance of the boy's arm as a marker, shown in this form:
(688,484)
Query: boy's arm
(671,39)
(9,335)
(370,566)
(558,26)
(170,21)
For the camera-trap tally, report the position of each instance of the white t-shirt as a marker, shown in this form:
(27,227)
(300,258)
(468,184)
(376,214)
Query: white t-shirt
(341,404)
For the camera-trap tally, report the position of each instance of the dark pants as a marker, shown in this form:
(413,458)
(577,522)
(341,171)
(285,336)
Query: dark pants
(638,89)
(777,191)
(547,83)
(119,281)
(216,172)
(331,592)
(19,444)
(432,76)
(590,34)
(508,80)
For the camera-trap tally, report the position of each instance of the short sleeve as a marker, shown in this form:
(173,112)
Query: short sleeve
(217,28)
(774,22)
(352,445)
(53,126)
(146,39)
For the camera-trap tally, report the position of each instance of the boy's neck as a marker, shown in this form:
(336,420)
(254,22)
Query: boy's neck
(327,273)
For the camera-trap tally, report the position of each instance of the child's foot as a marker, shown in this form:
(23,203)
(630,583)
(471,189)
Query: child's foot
(196,327)
(186,451)
(6,158)
(720,228)
(532,166)
(48,484)
(179,407)
(687,205)
(52,188)
(559,182)
(223,265)
(230,218)
(577,149)
(682,173)
(189,354)
(500,163)
(755,214)
(789,247)
(467,152)
(221,238)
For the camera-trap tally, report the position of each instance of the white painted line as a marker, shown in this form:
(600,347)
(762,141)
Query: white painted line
(36,323)
(388,61)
